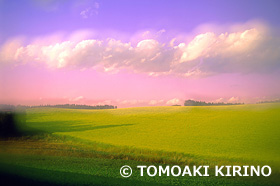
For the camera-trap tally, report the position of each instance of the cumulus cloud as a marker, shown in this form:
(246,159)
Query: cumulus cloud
(174,101)
(233,100)
(131,102)
(219,100)
(252,48)
(155,102)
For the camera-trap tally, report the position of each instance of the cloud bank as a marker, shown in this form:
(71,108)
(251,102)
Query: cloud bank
(248,49)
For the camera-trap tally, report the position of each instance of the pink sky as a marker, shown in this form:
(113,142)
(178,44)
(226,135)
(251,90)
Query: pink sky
(31,85)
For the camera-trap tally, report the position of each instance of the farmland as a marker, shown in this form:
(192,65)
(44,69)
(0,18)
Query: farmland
(89,146)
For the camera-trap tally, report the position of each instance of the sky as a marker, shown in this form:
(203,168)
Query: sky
(139,53)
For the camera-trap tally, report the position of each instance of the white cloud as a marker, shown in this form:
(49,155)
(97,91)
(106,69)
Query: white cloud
(155,102)
(160,32)
(106,102)
(219,100)
(233,100)
(8,50)
(198,47)
(174,101)
(76,99)
(90,11)
(84,13)
(131,102)
(249,49)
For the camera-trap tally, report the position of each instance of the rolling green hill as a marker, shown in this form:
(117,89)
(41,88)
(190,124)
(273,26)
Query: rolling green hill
(108,139)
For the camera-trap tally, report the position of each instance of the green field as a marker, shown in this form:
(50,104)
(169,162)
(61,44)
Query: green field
(67,146)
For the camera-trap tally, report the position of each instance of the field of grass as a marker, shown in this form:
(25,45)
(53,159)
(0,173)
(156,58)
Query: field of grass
(89,146)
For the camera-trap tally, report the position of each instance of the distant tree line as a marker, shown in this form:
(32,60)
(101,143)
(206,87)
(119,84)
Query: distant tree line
(12,117)
(69,106)
(203,103)
(271,101)
(6,108)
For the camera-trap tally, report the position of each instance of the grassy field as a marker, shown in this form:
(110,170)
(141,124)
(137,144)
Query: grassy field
(89,146)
